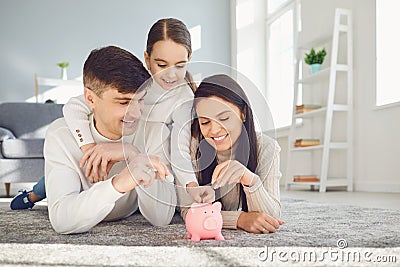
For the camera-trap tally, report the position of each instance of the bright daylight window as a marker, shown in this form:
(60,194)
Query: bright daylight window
(280,67)
(274,5)
(387,44)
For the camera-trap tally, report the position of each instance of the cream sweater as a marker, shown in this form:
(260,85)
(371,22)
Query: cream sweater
(75,205)
(263,196)
(163,131)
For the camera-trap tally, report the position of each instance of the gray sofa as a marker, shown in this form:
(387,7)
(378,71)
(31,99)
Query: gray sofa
(22,130)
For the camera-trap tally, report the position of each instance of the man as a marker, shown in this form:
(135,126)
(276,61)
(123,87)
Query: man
(112,79)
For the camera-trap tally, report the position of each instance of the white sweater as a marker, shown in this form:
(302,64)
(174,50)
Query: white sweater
(75,205)
(163,131)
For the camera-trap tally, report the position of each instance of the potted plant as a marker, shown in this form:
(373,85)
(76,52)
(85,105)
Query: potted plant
(63,66)
(315,59)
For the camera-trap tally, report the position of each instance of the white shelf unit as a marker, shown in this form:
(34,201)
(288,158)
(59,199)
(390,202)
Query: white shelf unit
(342,28)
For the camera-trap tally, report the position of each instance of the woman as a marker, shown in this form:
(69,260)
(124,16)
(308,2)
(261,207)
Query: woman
(228,153)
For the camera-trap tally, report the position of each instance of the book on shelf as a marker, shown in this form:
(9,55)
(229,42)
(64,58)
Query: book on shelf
(305,178)
(306,108)
(306,142)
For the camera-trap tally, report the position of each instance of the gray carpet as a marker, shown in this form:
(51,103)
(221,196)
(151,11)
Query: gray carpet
(307,225)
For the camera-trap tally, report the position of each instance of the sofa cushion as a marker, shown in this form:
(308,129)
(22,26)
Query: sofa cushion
(22,148)
(6,134)
(28,120)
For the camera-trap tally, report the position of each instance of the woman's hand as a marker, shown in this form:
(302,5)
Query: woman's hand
(230,172)
(100,158)
(258,223)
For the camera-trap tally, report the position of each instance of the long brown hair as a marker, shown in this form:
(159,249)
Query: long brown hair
(226,88)
(175,30)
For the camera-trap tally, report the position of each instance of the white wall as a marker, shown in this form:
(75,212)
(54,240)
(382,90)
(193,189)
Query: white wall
(377,148)
(35,35)
(376,131)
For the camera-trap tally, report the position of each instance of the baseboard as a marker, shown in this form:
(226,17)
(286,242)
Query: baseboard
(377,187)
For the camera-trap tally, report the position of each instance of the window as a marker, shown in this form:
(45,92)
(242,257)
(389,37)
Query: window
(250,46)
(263,33)
(387,44)
(274,5)
(280,58)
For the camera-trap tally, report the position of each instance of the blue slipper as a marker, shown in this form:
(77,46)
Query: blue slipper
(22,201)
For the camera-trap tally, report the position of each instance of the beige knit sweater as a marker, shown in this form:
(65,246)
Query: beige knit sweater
(263,196)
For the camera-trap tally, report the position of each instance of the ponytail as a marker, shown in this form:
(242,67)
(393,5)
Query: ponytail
(190,82)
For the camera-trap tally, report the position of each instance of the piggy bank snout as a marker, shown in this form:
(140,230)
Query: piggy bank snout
(210,223)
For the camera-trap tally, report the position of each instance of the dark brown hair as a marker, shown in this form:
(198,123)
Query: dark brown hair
(113,67)
(226,88)
(175,30)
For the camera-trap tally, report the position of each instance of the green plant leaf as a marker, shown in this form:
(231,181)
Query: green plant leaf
(315,57)
(63,64)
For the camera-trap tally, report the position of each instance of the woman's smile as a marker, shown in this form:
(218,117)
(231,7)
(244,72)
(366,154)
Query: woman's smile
(220,139)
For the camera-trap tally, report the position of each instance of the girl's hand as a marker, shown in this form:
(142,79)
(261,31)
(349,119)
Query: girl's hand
(258,223)
(230,172)
(84,148)
(100,158)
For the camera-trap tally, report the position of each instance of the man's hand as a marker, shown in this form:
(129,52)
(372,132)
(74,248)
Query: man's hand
(258,223)
(200,194)
(100,158)
(142,170)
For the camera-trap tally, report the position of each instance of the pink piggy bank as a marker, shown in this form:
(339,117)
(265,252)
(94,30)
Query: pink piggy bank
(204,221)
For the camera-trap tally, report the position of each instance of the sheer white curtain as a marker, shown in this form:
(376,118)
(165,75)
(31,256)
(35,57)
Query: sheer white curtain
(280,58)
(387,45)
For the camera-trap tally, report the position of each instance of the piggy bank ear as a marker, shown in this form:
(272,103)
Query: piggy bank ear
(217,206)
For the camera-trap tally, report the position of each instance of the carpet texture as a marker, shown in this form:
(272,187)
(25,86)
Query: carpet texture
(306,225)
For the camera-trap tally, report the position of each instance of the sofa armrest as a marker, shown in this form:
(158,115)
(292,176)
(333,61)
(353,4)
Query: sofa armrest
(6,134)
